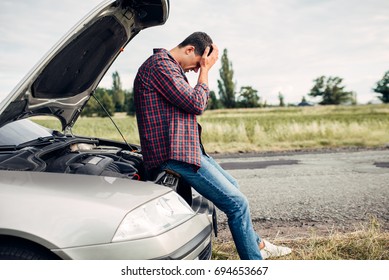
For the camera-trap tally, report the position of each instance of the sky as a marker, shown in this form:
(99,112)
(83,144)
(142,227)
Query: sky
(274,46)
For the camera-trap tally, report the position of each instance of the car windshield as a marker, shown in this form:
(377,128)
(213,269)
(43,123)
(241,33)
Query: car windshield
(21,131)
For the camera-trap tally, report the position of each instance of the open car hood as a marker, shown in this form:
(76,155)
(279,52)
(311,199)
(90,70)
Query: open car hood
(63,81)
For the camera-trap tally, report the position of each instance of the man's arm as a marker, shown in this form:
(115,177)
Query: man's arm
(171,83)
(206,63)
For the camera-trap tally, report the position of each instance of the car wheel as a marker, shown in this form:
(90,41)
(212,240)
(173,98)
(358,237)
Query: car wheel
(24,252)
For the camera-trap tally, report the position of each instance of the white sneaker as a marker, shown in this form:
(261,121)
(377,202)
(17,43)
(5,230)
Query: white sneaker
(271,251)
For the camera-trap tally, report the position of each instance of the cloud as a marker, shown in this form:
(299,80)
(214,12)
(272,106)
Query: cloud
(274,46)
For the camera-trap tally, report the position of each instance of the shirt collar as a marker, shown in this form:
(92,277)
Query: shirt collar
(161,50)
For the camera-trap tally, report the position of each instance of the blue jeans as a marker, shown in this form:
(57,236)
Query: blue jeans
(218,186)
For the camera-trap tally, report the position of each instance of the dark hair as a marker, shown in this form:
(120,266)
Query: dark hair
(200,40)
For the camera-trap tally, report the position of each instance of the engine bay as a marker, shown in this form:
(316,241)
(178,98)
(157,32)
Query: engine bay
(75,156)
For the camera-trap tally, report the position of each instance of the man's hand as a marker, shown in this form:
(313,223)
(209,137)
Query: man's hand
(206,63)
(208,60)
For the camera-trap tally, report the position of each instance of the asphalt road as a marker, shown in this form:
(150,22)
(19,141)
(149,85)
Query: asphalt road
(297,194)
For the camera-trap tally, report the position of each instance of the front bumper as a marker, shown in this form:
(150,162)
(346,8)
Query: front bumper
(188,241)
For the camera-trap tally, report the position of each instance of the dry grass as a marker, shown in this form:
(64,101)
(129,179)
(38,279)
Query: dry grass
(269,129)
(368,243)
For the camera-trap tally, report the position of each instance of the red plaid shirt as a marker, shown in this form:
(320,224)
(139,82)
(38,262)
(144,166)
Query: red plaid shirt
(166,109)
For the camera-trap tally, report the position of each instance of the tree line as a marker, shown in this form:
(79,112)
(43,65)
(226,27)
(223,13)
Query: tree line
(330,90)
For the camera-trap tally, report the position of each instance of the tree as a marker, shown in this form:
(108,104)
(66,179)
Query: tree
(94,108)
(117,93)
(129,103)
(331,91)
(226,84)
(213,101)
(90,108)
(105,100)
(304,102)
(382,87)
(248,97)
(282,99)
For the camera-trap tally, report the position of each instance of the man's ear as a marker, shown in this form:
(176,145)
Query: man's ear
(189,49)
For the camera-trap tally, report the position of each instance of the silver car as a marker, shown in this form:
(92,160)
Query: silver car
(64,196)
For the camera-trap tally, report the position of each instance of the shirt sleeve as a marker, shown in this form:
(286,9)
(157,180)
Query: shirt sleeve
(172,84)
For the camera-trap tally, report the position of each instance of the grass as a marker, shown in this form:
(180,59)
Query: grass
(267,129)
(368,243)
(295,128)
(99,127)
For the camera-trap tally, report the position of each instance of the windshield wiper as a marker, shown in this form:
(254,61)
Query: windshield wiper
(7,147)
(37,142)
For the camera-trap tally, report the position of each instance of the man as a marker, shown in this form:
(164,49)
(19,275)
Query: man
(166,110)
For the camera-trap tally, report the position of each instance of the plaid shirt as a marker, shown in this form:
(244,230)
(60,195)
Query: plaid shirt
(166,109)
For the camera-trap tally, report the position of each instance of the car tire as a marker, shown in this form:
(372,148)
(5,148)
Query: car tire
(24,252)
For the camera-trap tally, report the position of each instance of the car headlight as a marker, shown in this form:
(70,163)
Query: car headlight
(154,217)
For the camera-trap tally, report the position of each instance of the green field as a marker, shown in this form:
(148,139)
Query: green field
(267,129)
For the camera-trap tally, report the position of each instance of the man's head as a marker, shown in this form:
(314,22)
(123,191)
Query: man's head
(189,52)
(199,40)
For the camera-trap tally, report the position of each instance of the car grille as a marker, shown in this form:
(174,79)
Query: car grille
(206,253)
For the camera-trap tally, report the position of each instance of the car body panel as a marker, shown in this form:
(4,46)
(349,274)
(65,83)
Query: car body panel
(63,208)
(197,234)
